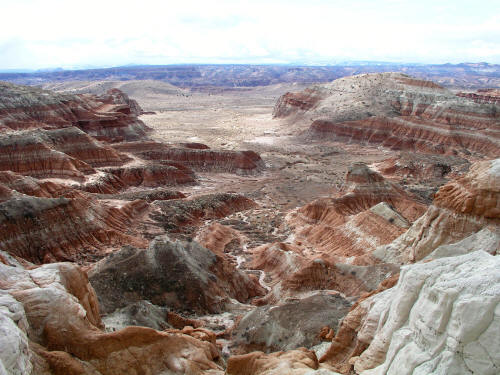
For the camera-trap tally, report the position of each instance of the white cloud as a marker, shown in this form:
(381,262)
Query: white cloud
(53,33)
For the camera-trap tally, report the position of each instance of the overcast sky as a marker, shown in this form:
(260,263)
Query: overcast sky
(50,33)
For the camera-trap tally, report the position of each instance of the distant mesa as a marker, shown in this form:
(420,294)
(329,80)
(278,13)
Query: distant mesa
(395,111)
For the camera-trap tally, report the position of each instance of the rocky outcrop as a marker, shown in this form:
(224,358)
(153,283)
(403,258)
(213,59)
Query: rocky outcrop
(460,208)
(491,96)
(153,175)
(396,111)
(30,186)
(293,362)
(219,238)
(290,325)
(80,228)
(432,170)
(356,329)
(60,153)
(290,272)
(371,212)
(180,275)
(112,117)
(52,319)
(140,313)
(424,323)
(183,215)
(291,102)
(487,239)
(150,195)
(239,162)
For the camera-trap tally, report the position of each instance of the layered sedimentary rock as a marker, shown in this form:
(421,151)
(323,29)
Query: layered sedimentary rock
(183,215)
(80,228)
(356,330)
(60,153)
(153,175)
(112,117)
(422,168)
(181,275)
(52,319)
(483,96)
(460,208)
(219,238)
(398,112)
(371,212)
(197,156)
(30,186)
(150,195)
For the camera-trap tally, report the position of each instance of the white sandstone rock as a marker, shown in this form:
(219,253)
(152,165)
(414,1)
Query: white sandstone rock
(443,317)
(487,239)
(14,349)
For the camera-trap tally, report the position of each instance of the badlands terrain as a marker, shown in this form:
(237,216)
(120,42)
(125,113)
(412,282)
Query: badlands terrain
(348,227)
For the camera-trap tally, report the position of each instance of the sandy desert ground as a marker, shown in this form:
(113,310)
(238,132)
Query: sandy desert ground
(298,170)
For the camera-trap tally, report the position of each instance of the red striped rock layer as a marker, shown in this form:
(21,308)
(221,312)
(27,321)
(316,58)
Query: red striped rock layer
(30,186)
(112,117)
(197,156)
(371,213)
(422,167)
(414,134)
(72,228)
(289,103)
(398,112)
(491,96)
(460,208)
(240,162)
(60,153)
(292,270)
(153,175)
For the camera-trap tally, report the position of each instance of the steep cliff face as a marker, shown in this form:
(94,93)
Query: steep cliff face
(460,208)
(52,317)
(398,112)
(112,117)
(80,228)
(428,323)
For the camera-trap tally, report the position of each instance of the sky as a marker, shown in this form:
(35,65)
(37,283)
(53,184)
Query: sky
(38,34)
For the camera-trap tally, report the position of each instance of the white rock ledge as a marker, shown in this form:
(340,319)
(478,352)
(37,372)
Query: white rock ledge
(443,317)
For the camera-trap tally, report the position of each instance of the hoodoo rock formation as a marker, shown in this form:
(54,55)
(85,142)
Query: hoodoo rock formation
(396,111)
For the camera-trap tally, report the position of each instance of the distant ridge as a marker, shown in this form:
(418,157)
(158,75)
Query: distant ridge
(463,75)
